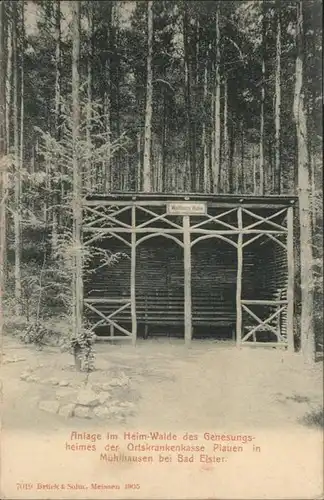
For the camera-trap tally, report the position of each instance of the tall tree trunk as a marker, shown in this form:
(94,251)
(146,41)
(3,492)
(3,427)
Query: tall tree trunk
(3,152)
(255,183)
(226,140)
(261,166)
(139,162)
(231,181)
(164,144)
(277,172)
(107,110)
(17,194)
(190,129)
(57,67)
(312,164)
(77,187)
(117,79)
(205,131)
(107,100)
(197,72)
(217,120)
(56,197)
(242,176)
(9,83)
(271,168)
(22,85)
(147,174)
(305,202)
(88,171)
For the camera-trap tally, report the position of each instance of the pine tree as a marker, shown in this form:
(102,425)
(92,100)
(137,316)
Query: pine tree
(305,201)
(277,170)
(17,159)
(147,174)
(216,145)
(2,157)
(77,188)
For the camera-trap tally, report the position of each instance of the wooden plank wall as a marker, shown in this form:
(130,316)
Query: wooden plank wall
(271,276)
(160,282)
(271,268)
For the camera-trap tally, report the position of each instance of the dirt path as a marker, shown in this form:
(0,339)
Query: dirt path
(161,386)
(210,385)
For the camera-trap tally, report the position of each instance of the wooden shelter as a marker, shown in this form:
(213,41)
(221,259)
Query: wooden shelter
(221,262)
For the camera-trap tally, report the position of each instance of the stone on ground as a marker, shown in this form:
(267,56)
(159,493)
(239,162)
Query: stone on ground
(12,360)
(67,410)
(106,386)
(87,397)
(49,406)
(127,404)
(82,412)
(114,408)
(102,412)
(120,381)
(103,397)
(97,387)
(53,381)
(64,392)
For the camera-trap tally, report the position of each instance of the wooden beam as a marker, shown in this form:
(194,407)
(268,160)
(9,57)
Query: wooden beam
(262,323)
(114,230)
(248,242)
(290,284)
(103,234)
(161,203)
(271,237)
(115,337)
(187,279)
(164,235)
(106,320)
(110,322)
(265,344)
(101,216)
(217,236)
(104,300)
(218,219)
(239,279)
(268,219)
(264,302)
(119,196)
(156,216)
(133,277)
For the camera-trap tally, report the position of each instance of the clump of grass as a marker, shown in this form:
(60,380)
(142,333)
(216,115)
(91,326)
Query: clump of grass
(298,399)
(314,418)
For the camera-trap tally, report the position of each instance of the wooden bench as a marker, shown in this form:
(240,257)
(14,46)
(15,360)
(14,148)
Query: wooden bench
(166,309)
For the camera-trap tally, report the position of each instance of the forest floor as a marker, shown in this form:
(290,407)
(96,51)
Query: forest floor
(211,385)
(212,389)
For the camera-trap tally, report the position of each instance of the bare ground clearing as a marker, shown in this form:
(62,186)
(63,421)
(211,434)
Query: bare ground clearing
(211,385)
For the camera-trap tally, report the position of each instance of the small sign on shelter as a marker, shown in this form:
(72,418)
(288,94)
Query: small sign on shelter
(186,208)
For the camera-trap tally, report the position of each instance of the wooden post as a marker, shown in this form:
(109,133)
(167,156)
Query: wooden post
(187,279)
(290,282)
(239,279)
(133,278)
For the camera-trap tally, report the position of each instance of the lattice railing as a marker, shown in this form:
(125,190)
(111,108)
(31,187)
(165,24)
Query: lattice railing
(267,319)
(108,319)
